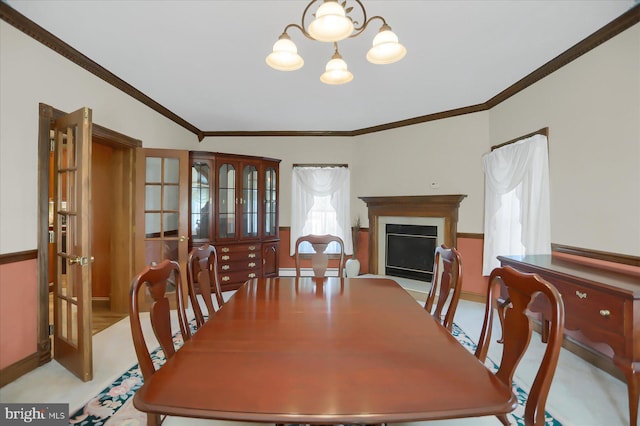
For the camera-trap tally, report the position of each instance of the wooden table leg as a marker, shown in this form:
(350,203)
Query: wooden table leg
(631,373)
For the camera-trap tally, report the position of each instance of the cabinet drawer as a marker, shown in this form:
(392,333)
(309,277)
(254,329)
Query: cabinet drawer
(591,308)
(237,248)
(238,277)
(242,265)
(253,256)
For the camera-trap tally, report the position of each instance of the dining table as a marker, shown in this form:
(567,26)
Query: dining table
(324,351)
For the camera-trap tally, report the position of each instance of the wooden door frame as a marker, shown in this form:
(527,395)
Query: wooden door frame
(124,217)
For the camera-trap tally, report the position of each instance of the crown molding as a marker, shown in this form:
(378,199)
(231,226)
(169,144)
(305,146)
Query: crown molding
(30,28)
(33,30)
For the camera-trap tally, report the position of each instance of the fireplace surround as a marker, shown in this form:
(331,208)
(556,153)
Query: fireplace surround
(443,209)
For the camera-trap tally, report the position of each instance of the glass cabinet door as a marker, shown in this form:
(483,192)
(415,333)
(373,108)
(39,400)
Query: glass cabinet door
(227,201)
(270,202)
(201,209)
(249,201)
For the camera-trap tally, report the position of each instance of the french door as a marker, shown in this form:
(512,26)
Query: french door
(162,211)
(72,346)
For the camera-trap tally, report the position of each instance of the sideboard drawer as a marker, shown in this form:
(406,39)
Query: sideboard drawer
(592,307)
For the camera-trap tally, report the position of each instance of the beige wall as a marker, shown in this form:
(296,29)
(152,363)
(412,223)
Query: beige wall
(592,107)
(407,160)
(291,150)
(31,73)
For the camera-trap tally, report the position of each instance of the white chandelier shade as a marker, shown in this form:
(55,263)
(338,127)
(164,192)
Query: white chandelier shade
(386,49)
(336,71)
(285,55)
(333,22)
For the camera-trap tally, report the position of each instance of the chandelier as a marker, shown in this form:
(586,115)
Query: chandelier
(332,23)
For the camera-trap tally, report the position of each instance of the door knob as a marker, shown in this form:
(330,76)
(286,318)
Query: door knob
(80,260)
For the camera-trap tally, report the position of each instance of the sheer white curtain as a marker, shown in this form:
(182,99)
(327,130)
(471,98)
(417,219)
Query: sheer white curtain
(517,210)
(317,186)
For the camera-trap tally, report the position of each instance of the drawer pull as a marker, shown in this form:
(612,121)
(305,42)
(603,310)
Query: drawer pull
(581,295)
(252,264)
(252,248)
(225,257)
(252,255)
(252,275)
(226,278)
(605,313)
(225,249)
(225,267)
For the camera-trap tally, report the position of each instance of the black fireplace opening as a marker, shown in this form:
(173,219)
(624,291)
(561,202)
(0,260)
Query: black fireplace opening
(410,251)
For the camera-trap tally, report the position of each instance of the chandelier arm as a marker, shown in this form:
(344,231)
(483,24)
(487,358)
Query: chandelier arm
(360,30)
(302,30)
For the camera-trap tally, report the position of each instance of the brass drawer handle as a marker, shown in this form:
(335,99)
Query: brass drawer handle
(252,255)
(226,278)
(225,257)
(251,275)
(225,249)
(252,248)
(581,295)
(605,313)
(225,267)
(252,264)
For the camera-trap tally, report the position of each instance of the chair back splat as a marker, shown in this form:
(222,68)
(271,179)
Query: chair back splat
(446,285)
(516,333)
(319,259)
(156,279)
(202,277)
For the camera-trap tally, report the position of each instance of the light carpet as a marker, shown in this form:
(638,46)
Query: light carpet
(113,406)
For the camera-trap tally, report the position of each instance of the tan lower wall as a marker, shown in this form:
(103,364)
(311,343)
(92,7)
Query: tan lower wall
(18,311)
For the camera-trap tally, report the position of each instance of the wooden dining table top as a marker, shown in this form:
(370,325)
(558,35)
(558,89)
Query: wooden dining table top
(323,351)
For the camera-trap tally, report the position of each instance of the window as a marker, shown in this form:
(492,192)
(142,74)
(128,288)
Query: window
(320,204)
(517,209)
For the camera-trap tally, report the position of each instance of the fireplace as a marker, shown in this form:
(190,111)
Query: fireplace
(440,211)
(409,251)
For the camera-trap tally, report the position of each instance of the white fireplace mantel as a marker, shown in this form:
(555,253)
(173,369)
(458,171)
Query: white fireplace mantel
(422,206)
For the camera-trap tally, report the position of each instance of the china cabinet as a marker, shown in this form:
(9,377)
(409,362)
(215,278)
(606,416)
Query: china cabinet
(234,206)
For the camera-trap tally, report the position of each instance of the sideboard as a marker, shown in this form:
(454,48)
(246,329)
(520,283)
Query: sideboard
(604,306)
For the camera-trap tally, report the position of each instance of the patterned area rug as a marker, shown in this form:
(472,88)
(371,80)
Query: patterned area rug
(113,406)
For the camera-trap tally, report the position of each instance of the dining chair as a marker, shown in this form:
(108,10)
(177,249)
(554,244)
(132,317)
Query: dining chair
(319,259)
(202,275)
(156,279)
(446,285)
(522,289)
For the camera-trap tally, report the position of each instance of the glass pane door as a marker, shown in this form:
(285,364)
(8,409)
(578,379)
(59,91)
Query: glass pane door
(72,296)
(270,202)
(162,180)
(227,201)
(200,200)
(249,203)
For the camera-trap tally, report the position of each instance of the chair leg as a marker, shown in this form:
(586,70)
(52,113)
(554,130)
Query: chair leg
(504,420)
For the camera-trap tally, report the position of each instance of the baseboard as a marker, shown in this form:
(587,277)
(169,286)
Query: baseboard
(473,297)
(101,302)
(19,368)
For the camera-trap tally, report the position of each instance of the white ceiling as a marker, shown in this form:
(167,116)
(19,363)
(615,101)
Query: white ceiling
(205,60)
